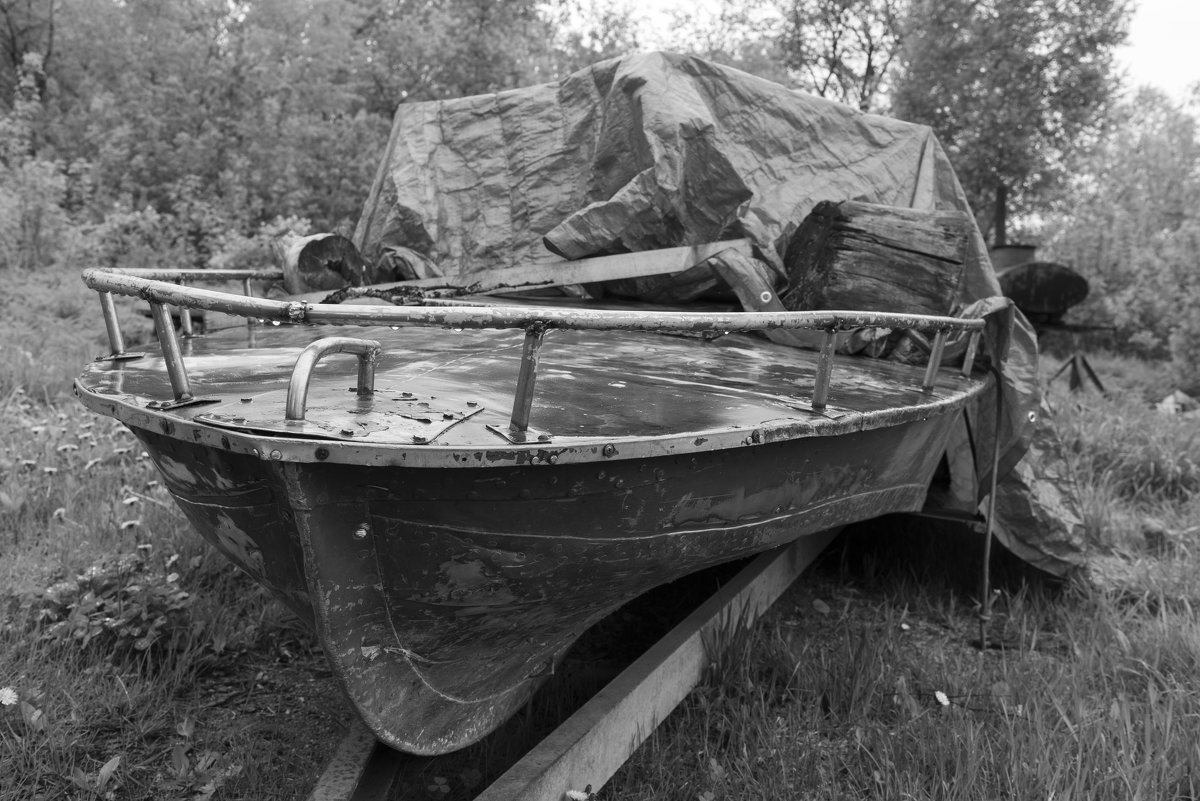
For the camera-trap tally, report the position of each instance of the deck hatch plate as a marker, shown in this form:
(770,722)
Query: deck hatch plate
(387,415)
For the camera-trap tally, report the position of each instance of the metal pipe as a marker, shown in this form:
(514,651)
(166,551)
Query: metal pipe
(512,316)
(165,327)
(523,400)
(935,359)
(185,317)
(108,308)
(969,356)
(824,370)
(367,351)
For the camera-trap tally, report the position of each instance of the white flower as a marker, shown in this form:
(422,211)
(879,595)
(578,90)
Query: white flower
(8,696)
(942,698)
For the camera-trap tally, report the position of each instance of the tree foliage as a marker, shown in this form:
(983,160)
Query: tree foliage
(1130,222)
(184,126)
(843,49)
(1012,88)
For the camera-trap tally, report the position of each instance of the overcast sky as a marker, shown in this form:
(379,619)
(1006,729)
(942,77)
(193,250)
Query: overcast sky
(1163,48)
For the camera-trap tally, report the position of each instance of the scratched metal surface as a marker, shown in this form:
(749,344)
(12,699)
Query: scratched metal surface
(443,597)
(591,387)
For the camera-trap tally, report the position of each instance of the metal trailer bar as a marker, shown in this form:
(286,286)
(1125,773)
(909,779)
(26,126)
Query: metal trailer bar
(584,752)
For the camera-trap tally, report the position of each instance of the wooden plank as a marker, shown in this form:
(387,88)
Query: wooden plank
(562,273)
(594,742)
(362,769)
(854,255)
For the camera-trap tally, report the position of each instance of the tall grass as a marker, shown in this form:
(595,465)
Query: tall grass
(114,615)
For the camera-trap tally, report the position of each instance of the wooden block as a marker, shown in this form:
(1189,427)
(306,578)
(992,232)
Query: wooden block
(863,256)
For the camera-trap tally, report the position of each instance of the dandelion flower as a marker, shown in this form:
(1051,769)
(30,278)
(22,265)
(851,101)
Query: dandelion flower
(8,696)
(942,698)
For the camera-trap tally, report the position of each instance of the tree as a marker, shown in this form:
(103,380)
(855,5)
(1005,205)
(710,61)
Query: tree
(26,27)
(436,49)
(1012,88)
(743,34)
(842,49)
(1130,223)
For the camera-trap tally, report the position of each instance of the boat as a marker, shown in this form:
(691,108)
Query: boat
(451,490)
(464,490)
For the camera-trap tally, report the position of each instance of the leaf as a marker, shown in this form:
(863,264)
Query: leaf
(33,716)
(106,772)
(80,779)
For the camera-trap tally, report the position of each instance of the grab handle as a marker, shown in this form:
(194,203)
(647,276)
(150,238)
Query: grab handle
(367,351)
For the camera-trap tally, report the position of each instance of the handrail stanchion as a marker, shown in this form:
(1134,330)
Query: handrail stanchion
(935,359)
(169,343)
(523,400)
(248,291)
(185,317)
(969,356)
(109,309)
(824,370)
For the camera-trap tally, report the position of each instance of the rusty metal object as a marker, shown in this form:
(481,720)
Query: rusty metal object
(509,317)
(1043,290)
(367,351)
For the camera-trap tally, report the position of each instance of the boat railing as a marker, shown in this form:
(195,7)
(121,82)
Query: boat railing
(163,289)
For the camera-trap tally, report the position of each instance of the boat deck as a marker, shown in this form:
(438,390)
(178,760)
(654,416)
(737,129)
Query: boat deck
(442,396)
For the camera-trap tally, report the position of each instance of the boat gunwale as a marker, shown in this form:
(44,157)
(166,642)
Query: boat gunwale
(561,449)
(535,320)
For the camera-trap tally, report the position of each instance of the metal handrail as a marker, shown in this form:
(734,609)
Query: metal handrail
(535,321)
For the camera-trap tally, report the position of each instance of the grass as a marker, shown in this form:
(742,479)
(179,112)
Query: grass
(141,666)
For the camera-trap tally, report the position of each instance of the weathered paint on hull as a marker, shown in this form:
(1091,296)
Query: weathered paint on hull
(442,597)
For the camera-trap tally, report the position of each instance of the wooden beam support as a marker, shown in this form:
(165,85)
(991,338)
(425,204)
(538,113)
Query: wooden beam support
(594,742)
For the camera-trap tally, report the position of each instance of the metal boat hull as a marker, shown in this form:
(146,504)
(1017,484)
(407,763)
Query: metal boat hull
(443,597)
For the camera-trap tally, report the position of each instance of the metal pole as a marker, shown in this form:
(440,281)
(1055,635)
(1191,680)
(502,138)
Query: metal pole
(969,356)
(824,370)
(170,350)
(185,317)
(248,291)
(935,359)
(109,309)
(523,401)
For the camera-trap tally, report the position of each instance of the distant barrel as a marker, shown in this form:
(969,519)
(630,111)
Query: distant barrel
(1043,290)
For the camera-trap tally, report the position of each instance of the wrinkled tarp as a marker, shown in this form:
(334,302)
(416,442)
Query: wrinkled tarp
(657,150)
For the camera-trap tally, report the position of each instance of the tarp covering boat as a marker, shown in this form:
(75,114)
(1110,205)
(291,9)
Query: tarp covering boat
(657,150)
